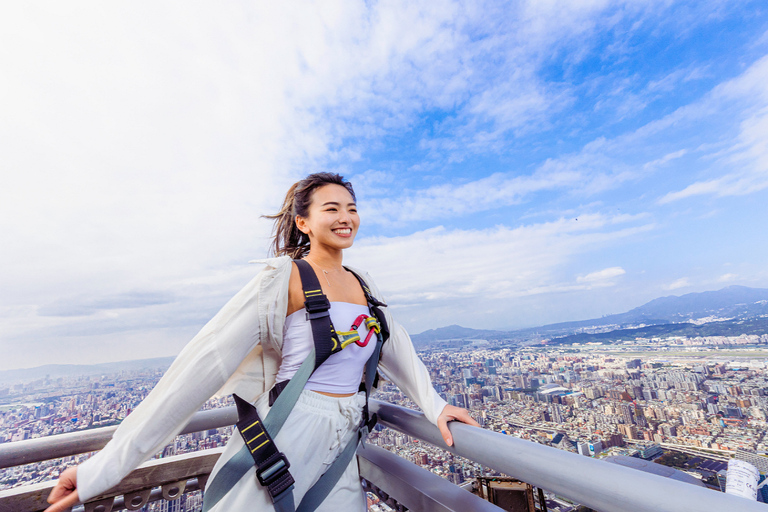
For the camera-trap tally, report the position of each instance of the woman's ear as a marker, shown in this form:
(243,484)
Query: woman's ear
(301,224)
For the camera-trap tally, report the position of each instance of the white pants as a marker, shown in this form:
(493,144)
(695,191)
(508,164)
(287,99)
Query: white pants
(315,433)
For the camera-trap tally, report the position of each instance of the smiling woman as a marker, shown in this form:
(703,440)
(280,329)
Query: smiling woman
(276,347)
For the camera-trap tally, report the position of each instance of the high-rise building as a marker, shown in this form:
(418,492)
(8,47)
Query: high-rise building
(627,413)
(629,431)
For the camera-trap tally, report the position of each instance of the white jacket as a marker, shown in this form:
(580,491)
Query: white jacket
(238,351)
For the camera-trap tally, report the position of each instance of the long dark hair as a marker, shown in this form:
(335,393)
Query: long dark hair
(286,237)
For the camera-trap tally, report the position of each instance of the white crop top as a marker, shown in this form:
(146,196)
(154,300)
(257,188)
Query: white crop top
(341,372)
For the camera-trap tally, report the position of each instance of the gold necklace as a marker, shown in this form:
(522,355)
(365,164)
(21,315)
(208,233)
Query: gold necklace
(325,272)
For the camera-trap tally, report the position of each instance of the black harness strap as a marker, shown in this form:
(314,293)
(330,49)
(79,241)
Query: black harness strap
(371,377)
(374,305)
(271,464)
(323,333)
(317,306)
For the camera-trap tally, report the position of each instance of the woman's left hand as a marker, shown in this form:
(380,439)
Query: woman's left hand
(451,413)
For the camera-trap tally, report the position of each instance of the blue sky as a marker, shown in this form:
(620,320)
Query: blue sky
(516,163)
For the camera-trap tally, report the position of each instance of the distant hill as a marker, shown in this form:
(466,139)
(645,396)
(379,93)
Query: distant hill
(733,302)
(721,310)
(728,328)
(9,377)
(456,332)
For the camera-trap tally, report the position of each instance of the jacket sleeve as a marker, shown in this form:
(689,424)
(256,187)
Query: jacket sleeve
(201,368)
(400,363)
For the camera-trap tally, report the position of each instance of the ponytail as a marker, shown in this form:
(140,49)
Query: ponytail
(287,240)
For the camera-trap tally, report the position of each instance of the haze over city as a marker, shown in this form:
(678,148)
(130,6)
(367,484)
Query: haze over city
(516,163)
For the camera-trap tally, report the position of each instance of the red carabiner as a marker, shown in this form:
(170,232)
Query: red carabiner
(357,323)
(367,339)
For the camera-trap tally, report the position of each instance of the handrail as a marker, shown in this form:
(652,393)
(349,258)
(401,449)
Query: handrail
(396,481)
(84,441)
(597,484)
(594,483)
(156,479)
(415,487)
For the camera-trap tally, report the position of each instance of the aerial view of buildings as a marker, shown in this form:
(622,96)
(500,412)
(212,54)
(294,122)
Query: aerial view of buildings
(676,400)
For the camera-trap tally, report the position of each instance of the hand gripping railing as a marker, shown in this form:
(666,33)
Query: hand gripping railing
(166,478)
(396,481)
(597,484)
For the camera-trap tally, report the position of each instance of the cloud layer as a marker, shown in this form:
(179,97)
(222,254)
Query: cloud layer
(516,162)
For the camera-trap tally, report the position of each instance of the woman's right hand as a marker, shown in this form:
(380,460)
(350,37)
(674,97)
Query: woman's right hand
(64,494)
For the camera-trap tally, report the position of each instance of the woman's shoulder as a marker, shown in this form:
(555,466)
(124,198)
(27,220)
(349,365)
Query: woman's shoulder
(360,273)
(277,263)
(275,272)
(366,277)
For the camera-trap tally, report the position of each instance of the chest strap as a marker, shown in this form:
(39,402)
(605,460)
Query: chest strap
(318,307)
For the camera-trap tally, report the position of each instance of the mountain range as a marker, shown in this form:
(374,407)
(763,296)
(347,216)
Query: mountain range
(722,312)
(54,371)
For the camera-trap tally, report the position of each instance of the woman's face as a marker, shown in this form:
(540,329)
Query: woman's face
(332,221)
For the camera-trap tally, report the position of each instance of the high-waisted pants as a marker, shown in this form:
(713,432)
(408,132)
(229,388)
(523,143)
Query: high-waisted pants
(314,434)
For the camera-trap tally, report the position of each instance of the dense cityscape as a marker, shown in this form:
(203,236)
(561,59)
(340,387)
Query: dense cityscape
(703,398)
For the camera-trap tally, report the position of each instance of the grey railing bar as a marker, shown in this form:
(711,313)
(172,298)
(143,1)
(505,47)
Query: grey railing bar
(414,486)
(190,468)
(84,441)
(597,484)
(154,495)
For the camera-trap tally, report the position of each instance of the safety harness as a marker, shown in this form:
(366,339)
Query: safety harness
(258,434)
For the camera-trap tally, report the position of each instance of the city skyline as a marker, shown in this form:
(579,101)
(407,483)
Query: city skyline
(516,163)
(632,402)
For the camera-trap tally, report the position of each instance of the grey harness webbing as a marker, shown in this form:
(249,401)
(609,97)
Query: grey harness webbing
(242,462)
(325,484)
(286,397)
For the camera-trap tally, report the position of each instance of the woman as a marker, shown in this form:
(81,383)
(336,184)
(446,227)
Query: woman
(260,337)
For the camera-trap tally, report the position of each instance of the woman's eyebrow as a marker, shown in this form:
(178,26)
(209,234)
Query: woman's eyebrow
(334,203)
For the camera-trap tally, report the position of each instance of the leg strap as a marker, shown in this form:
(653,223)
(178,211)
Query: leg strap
(242,461)
(271,464)
(325,484)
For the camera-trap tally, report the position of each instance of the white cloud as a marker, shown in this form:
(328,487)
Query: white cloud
(725,278)
(495,262)
(602,275)
(676,78)
(742,168)
(666,158)
(502,277)
(142,141)
(585,173)
(683,282)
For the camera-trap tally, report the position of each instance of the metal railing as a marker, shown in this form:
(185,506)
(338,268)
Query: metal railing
(597,484)
(399,483)
(84,441)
